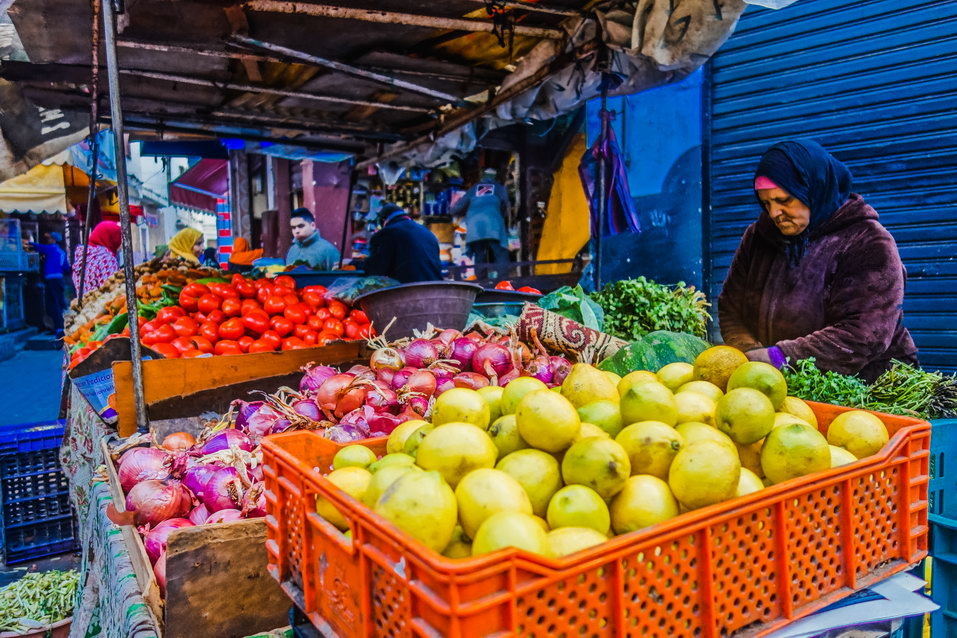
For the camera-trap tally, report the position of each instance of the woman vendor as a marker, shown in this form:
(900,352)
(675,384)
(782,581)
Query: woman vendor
(186,244)
(816,275)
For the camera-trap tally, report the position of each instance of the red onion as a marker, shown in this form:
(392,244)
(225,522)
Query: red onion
(308,408)
(140,464)
(444,385)
(350,400)
(328,394)
(223,490)
(178,441)
(492,359)
(246,412)
(361,372)
(226,439)
(279,425)
(383,423)
(224,516)
(256,473)
(155,501)
(561,367)
(381,398)
(159,570)
(199,514)
(463,349)
(314,377)
(386,359)
(254,502)
(421,382)
(448,335)
(401,378)
(470,380)
(420,353)
(540,368)
(416,407)
(196,477)
(385,375)
(508,377)
(155,539)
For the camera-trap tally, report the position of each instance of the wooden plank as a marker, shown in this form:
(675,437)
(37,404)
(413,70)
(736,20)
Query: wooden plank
(165,378)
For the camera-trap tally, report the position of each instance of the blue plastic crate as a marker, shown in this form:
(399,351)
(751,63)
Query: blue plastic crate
(30,542)
(943,525)
(28,437)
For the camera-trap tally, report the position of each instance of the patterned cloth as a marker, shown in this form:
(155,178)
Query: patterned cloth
(101,267)
(560,334)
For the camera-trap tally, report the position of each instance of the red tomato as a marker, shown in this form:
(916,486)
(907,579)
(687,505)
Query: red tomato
(150,326)
(244,342)
(302,330)
(313,299)
(366,331)
(236,278)
(195,290)
(315,322)
(358,316)
(232,307)
(504,285)
(188,303)
(249,306)
(164,334)
(294,343)
(290,299)
(325,337)
(286,281)
(202,344)
(199,317)
(217,315)
(295,313)
(227,347)
(281,325)
(534,291)
(334,326)
(209,303)
(261,345)
(259,283)
(192,353)
(231,329)
(224,290)
(320,290)
(182,344)
(351,329)
(185,326)
(274,305)
(263,293)
(272,338)
(323,313)
(338,309)
(245,289)
(209,330)
(256,322)
(311,338)
(166,350)
(170,314)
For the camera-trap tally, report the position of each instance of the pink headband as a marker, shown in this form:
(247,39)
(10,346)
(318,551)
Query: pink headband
(761,183)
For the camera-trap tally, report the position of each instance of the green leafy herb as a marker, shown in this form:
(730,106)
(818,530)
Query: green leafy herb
(807,381)
(38,599)
(635,307)
(574,304)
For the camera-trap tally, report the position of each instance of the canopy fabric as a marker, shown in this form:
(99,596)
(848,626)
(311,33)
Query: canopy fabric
(566,229)
(40,190)
(200,186)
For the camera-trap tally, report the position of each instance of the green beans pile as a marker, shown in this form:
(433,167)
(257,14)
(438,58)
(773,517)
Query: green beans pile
(37,600)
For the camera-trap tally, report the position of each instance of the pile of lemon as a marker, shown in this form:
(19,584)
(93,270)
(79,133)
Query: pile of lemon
(555,471)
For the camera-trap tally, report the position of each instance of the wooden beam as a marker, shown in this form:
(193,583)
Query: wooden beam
(392,17)
(537,7)
(249,88)
(185,48)
(237,20)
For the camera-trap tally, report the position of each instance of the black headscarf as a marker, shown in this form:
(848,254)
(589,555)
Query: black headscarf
(815,177)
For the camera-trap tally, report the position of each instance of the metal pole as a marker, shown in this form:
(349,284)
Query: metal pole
(94,112)
(116,118)
(90,201)
(602,183)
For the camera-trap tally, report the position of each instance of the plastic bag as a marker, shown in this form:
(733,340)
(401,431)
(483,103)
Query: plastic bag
(346,289)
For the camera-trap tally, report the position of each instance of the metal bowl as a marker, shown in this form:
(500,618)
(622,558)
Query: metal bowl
(444,304)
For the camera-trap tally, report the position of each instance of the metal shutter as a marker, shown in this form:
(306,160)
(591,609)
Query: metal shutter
(875,82)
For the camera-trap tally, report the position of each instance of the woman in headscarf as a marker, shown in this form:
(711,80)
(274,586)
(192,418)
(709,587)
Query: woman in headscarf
(816,275)
(187,244)
(242,258)
(101,250)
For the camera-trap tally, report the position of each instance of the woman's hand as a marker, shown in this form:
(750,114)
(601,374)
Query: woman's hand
(758,354)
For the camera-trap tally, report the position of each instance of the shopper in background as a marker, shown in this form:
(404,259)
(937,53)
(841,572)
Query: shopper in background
(308,246)
(209,258)
(403,249)
(101,250)
(187,244)
(485,207)
(242,258)
(55,266)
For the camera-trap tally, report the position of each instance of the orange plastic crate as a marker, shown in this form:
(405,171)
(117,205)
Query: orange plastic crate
(743,567)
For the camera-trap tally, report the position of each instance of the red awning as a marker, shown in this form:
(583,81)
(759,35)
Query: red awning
(201,185)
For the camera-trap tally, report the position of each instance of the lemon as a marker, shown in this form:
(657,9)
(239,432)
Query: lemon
(589,430)
(717,364)
(569,540)
(517,389)
(537,472)
(382,479)
(354,481)
(604,414)
(614,378)
(860,433)
(695,407)
(675,375)
(636,378)
(400,435)
(461,405)
(650,401)
(585,384)
(395,458)
(794,450)
(505,436)
(693,432)
(422,505)
(413,441)
(455,449)
(547,421)
(764,378)
(651,447)
(353,456)
(510,529)
(750,456)
(706,388)
(704,473)
(784,418)
(493,396)
(800,409)
(643,501)
(745,414)
(483,492)
(578,506)
(749,483)
(840,456)
(460,546)
(599,463)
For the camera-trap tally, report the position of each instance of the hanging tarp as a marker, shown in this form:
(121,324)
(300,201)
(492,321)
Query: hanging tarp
(620,215)
(199,187)
(566,229)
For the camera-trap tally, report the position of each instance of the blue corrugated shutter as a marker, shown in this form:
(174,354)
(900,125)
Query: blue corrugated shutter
(875,82)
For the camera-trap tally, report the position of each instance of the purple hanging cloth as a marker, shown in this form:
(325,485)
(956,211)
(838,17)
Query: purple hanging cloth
(622,216)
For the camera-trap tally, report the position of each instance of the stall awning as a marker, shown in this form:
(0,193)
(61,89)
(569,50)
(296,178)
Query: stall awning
(200,186)
(42,189)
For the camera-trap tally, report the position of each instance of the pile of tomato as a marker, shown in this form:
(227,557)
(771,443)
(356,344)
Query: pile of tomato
(507,285)
(247,315)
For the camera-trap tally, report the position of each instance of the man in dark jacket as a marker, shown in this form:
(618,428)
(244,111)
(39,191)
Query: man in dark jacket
(403,249)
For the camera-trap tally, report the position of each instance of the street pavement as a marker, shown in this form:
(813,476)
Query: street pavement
(30,386)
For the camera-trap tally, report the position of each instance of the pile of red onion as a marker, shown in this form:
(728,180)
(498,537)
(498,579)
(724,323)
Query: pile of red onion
(181,484)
